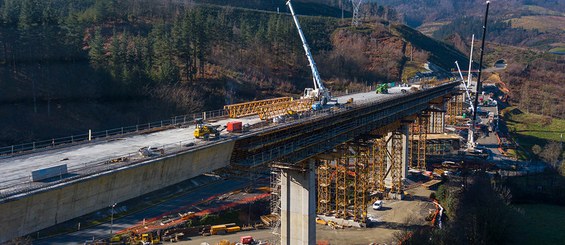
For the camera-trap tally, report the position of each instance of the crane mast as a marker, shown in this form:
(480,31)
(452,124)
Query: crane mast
(319,92)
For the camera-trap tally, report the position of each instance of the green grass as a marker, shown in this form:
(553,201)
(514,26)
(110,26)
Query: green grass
(557,50)
(539,224)
(530,129)
(410,70)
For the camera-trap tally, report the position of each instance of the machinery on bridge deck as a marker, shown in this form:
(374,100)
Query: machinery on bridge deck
(382,88)
(319,93)
(203,131)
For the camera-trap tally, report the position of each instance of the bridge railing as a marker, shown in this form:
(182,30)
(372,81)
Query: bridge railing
(182,120)
(23,185)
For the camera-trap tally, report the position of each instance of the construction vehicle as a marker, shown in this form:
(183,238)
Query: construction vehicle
(319,93)
(382,88)
(145,239)
(248,240)
(203,131)
(224,229)
(411,88)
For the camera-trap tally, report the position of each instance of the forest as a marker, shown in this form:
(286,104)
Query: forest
(67,66)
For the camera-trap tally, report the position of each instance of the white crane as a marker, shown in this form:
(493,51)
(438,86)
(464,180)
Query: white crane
(319,92)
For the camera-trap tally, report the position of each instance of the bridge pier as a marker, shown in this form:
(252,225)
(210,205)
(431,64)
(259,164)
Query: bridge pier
(398,160)
(298,204)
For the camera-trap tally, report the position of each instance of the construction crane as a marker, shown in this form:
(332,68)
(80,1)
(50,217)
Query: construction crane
(319,92)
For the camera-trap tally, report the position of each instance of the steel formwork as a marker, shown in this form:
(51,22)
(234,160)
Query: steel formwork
(251,108)
(270,111)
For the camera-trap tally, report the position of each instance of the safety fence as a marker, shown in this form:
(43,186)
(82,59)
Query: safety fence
(104,134)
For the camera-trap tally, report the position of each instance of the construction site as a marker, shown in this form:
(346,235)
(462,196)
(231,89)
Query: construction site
(355,169)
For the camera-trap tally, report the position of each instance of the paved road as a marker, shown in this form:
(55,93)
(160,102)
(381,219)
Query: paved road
(190,197)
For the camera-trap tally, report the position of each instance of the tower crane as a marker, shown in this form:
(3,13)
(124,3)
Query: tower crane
(319,93)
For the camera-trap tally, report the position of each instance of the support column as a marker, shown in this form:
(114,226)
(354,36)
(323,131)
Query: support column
(405,151)
(298,205)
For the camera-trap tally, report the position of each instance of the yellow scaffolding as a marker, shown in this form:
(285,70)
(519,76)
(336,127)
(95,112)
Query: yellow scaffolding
(380,159)
(250,108)
(423,121)
(396,163)
(324,184)
(360,192)
(454,109)
(269,111)
(341,187)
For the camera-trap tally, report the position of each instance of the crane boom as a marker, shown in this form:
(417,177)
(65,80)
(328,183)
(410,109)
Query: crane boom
(321,92)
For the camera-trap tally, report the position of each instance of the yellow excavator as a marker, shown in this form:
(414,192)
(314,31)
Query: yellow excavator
(203,131)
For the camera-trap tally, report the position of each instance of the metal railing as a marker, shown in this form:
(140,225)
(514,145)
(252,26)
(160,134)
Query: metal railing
(34,146)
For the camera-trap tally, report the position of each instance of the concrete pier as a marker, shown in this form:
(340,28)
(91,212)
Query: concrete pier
(298,206)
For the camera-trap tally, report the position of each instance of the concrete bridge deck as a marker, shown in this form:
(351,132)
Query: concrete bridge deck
(94,183)
(92,157)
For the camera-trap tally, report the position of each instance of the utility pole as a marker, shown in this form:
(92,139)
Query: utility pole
(479,82)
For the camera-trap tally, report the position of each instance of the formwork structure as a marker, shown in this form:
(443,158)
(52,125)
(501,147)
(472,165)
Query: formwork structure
(421,129)
(412,131)
(275,203)
(436,122)
(270,111)
(324,185)
(360,183)
(348,175)
(454,109)
(341,187)
(397,186)
(379,157)
(251,108)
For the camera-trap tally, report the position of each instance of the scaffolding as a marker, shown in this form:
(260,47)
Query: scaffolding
(436,122)
(250,108)
(341,187)
(324,185)
(411,132)
(380,159)
(275,203)
(423,121)
(270,111)
(454,109)
(360,183)
(396,163)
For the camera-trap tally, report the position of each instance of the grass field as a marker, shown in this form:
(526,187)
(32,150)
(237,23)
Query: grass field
(557,50)
(540,22)
(533,129)
(539,224)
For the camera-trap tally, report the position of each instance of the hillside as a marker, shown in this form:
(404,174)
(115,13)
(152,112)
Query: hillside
(67,67)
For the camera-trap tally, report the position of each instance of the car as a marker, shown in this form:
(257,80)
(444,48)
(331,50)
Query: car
(377,204)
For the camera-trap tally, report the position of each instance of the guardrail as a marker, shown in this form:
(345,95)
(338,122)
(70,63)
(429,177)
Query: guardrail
(103,134)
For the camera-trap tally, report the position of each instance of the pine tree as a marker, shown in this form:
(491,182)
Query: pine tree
(96,51)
